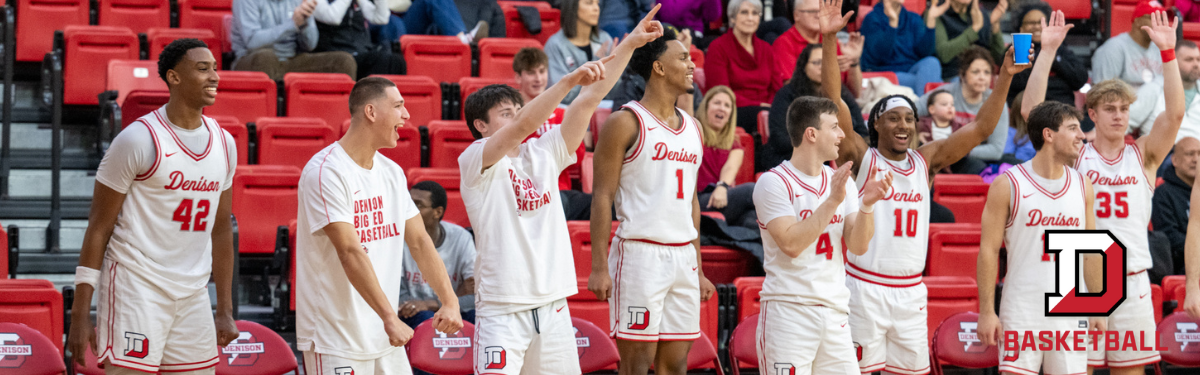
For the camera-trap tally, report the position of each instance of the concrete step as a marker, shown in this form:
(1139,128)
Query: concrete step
(33,235)
(37,136)
(35,184)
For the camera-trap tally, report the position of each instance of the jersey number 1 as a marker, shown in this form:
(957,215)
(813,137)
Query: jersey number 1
(679,176)
(183,214)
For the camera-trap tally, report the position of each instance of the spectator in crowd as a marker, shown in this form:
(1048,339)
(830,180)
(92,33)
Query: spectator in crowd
(1130,56)
(1069,72)
(1169,214)
(806,81)
(436,17)
(454,244)
(275,37)
(742,61)
(689,15)
(483,12)
(940,121)
(899,41)
(970,92)
(617,17)
(578,42)
(1150,101)
(723,156)
(805,32)
(342,26)
(963,25)
(529,67)
(1017,147)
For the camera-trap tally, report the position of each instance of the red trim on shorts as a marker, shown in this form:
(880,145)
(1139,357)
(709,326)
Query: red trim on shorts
(1011,368)
(872,368)
(152,370)
(112,300)
(851,264)
(1073,373)
(676,244)
(211,363)
(616,321)
(190,363)
(905,371)
(882,284)
(1153,358)
(157,150)
(1134,273)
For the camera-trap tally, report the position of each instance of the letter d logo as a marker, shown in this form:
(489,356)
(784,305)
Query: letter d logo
(1068,297)
(136,345)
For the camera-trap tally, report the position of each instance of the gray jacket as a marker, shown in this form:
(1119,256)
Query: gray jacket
(993,148)
(262,23)
(566,57)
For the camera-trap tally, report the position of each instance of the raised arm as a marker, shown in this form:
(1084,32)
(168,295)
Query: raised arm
(960,143)
(1053,35)
(853,146)
(618,135)
(425,254)
(794,235)
(995,216)
(1161,139)
(1191,256)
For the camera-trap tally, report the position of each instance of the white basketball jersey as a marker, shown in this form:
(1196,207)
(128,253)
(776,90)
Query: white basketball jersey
(1123,200)
(1037,204)
(817,276)
(896,254)
(164,231)
(658,180)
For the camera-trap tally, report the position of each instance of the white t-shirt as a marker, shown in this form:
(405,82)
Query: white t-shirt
(939,133)
(458,254)
(525,258)
(172,179)
(331,316)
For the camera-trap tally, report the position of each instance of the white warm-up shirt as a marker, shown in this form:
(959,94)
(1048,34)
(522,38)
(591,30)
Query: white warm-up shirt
(331,316)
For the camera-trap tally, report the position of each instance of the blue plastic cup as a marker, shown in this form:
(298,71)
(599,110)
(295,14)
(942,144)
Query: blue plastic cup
(1021,42)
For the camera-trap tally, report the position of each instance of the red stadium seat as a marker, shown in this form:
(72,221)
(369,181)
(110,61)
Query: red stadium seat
(407,153)
(257,350)
(764,128)
(965,195)
(515,27)
(1169,283)
(4,256)
(320,95)
(710,316)
(748,299)
(442,353)
(139,15)
(422,98)
(30,351)
(1156,293)
(469,85)
(126,76)
(598,119)
(241,136)
(245,95)
(92,368)
(584,305)
(34,305)
(160,37)
(587,167)
(447,140)
(698,76)
(956,343)
(1073,9)
(949,295)
(1191,31)
(704,355)
(697,57)
(596,350)
(1121,19)
(139,103)
(37,21)
(456,211)
(953,253)
(723,265)
(496,55)
(746,172)
(933,85)
(917,6)
(443,58)
(207,14)
(891,76)
(1175,332)
(581,246)
(292,140)
(743,349)
(256,187)
(86,53)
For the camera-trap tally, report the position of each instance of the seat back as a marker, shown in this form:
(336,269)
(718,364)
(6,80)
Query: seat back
(241,136)
(263,186)
(407,153)
(596,350)
(581,246)
(447,140)
(515,27)
(35,305)
(953,253)
(743,351)
(257,350)
(1073,10)
(723,265)
(764,127)
(746,171)
(140,102)
(597,121)
(422,97)
(704,355)
(956,343)
(87,51)
(587,174)
(160,37)
(442,353)
(245,95)
(697,56)
(1169,283)
(948,295)
(965,195)
(748,299)
(4,257)
(933,86)
(469,85)
(292,140)
(584,305)
(140,15)
(443,58)
(456,211)
(209,15)
(126,76)
(1178,333)
(92,367)
(37,21)
(319,95)
(496,55)
(29,352)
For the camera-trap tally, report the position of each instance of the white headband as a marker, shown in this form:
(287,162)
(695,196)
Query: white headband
(894,103)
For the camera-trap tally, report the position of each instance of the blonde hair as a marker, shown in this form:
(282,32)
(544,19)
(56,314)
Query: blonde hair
(1110,90)
(722,139)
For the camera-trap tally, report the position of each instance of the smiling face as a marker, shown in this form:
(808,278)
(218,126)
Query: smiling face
(896,127)
(806,18)
(499,116)
(978,77)
(828,136)
(1067,141)
(194,79)
(390,116)
(532,82)
(677,66)
(1032,24)
(717,113)
(589,12)
(745,21)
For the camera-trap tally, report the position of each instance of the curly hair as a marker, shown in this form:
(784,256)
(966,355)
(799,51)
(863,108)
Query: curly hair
(877,111)
(174,52)
(642,61)
(1024,9)
(970,55)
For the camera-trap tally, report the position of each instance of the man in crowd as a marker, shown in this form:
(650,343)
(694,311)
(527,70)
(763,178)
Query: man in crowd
(1130,56)
(455,246)
(278,37)
(806,31)
(1150,101)
(1170,212)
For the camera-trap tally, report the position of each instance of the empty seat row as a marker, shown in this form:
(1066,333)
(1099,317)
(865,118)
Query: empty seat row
(87,52)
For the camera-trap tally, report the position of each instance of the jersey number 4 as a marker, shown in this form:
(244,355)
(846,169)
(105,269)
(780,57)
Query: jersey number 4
(909,228)
(825,246)
(184,215)
(1104,201)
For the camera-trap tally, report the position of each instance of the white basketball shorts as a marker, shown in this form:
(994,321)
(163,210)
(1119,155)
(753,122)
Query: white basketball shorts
(656,291)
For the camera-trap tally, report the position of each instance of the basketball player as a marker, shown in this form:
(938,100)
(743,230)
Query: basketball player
(888,319)
(648,157)
(1191,302)
(1043,193)
(1123,176)
(355,217)
(524,270)
(158,228)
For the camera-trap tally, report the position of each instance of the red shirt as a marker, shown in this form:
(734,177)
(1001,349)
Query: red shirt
(564,179)
(752,77)
(787,50)
(710,165)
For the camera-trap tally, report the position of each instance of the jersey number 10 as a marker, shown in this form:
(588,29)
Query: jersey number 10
(910,228)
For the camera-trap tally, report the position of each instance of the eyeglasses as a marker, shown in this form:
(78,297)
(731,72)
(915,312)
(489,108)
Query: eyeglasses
(1031,23)
(750,12)
(815,63)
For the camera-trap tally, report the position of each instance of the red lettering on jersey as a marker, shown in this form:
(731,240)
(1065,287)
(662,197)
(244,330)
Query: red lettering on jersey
(805,214)
(368,205)
(661,152)
(837,219)
(179,182)
(911,196)
(1036,218)
(1097,179)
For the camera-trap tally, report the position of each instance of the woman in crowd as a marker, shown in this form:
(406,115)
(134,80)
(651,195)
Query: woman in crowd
(972,89)
(806,81)
(965,24)
(578,42)
(723,157)
(900,41)
(1069,72)
(742,61)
